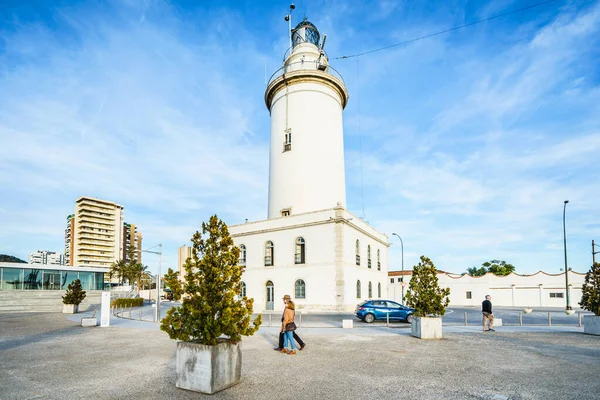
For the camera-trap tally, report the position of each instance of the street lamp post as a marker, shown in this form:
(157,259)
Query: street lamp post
(565,247)
(402,247)
(159,252)
(594,252)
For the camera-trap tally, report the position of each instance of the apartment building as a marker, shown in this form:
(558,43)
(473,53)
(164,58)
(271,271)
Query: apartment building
(97,236)
(94,233)
(69,242)
(46,257)
(132,243)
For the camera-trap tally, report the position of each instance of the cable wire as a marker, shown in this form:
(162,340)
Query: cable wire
(447,30)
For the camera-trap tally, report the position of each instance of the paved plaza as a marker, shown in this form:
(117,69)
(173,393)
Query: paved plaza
(48,356)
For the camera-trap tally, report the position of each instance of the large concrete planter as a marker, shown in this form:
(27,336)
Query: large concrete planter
(70,308)
(426,327)
(208,369)
(591,325)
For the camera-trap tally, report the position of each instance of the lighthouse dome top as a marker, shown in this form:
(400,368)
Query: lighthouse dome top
(305,32)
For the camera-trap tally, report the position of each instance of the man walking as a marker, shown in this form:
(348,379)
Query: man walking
(488,315)
(296,337)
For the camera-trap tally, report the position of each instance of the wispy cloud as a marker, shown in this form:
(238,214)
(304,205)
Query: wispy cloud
(468,143)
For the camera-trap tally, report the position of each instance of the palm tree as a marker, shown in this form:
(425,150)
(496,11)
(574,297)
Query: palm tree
(118,269)
(139,274)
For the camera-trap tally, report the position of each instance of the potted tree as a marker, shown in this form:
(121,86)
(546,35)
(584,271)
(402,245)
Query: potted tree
(73,297)
(213,317)
(428,299)
(590,300)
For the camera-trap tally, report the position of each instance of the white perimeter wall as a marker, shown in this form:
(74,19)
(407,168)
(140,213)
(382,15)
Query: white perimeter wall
(509,291)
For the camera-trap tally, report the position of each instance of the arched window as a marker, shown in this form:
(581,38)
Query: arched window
(369,256)
(378,261)
(300,251)
(269,254)
(242,254)
(300,289)
(370,290)
(243,289)
(357,252)
(379,290)
(358,291)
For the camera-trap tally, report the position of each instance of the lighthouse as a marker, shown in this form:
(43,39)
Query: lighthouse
(306,99)
(310,246)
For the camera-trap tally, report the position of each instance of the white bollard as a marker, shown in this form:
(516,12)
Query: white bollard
(347,323)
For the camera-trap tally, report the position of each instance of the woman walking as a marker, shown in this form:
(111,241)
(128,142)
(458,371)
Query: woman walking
(288,327)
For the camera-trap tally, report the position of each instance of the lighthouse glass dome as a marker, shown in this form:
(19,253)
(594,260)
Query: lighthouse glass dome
(305,32)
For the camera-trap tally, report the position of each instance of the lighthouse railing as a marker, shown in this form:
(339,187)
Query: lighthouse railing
(306,66)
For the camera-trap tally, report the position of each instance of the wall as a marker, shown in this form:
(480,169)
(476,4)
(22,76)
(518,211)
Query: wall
(513,290)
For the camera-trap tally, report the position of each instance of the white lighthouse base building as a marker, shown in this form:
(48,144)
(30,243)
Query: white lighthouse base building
(326,260)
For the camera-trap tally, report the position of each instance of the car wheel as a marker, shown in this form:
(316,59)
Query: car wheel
(409,319)
(369,318)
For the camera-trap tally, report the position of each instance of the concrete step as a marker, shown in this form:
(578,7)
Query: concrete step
(42,301)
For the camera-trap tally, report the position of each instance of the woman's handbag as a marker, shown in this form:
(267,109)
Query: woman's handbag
(290,326)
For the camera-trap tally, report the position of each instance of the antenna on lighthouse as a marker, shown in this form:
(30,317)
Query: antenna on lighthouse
(288,18)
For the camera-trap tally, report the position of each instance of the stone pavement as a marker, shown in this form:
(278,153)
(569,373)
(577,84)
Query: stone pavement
(48,356)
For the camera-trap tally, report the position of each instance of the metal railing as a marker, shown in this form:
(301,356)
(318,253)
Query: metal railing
(306,65)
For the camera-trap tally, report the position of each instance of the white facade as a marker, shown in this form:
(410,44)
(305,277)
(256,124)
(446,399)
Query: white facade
(307,247)
(46,257)
(328,277)
(538,290)
(306,167)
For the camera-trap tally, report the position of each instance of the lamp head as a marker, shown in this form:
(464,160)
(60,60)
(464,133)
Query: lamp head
(566,201)
(287,17)
(292,6)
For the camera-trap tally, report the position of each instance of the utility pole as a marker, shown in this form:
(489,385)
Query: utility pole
(565,247)
(594,252)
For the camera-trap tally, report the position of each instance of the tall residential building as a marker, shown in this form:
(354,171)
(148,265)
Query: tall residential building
(46,257)
(132,243)
(94,234)
(69,242)
(183,254)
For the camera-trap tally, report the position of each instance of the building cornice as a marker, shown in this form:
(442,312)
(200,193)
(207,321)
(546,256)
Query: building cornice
(306,76)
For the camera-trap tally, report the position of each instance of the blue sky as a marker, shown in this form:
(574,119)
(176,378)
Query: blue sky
(469,141)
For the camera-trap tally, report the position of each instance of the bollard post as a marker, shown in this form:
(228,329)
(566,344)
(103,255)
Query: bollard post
(130,308)
(579,319)
(140,315)
(270,320)
(300,320)
(549,320)
(387,317)
(520,319)
(465,318)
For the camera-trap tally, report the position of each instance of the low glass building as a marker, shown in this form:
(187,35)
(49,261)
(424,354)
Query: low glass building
(17,276)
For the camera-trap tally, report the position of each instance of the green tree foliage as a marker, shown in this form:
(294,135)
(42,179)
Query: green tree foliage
(424,293)
(138,274)
(171,279)
(74,293)
(11,259)
(118,269)
(590,290)
(211,305)
(474,271)
(496,267)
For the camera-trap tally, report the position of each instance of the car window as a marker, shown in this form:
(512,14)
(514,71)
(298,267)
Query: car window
(391,304)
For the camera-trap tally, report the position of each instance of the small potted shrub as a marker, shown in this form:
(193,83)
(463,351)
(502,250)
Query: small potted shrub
(428,299)
(590,300)
(73,297)
(213,316)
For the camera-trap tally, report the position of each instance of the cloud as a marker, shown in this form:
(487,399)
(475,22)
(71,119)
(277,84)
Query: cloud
(468,143)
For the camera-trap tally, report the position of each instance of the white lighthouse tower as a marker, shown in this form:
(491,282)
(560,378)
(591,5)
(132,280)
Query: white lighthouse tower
(306,100)
(310,246)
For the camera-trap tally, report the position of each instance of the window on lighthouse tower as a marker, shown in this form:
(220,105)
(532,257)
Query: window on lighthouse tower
(287,144)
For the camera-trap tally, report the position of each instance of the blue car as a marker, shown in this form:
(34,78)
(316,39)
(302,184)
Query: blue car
(372,310)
